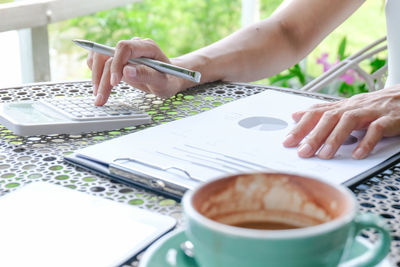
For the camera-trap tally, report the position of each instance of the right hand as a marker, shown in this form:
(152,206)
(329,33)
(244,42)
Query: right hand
(324,127)
(108,72)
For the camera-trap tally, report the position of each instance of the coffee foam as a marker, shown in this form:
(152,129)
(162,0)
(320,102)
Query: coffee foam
(269,197)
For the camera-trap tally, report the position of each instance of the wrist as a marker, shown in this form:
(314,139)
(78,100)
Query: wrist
(195,62)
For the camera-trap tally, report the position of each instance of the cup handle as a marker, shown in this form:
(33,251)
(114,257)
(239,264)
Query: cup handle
(381,247)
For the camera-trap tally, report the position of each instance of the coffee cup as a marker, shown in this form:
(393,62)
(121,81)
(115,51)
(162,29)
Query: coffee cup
(277,219)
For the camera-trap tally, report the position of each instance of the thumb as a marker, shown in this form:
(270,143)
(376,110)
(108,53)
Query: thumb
(143,74)
(156,82)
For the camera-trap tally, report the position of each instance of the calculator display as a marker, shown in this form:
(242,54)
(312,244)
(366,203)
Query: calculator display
(69,116)
(30,113)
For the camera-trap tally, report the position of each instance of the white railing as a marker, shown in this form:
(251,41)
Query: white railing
(31,17)
(374,81)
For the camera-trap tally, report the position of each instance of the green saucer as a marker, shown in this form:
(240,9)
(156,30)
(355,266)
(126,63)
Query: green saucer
(166,252)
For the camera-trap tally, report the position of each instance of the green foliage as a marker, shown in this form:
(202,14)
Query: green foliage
(177,26)
(347,90)
(296,76)
(268,6)
(358,86)
(342,49)
(376,63)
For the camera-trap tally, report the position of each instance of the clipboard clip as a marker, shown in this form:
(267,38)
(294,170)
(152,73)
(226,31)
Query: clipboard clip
(187,174)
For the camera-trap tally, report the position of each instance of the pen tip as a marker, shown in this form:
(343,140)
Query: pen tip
(83,43)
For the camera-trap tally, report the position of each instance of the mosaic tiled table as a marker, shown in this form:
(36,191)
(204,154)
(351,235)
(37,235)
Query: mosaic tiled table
(27,159)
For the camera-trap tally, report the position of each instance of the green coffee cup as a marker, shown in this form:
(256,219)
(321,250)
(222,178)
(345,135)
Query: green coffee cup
(277,219)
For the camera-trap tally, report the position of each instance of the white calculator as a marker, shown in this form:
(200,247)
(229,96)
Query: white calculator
(69,115)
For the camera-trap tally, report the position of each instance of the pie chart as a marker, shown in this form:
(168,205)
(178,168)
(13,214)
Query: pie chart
(263,123)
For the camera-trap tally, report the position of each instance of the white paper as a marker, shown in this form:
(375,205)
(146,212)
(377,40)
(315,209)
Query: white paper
(48,225)
(241,136)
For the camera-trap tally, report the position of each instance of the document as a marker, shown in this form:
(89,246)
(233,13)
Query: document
(245,135)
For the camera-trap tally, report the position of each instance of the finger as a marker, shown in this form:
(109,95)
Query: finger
(89,60)
(122,54)
(97,70)
(155,81)
(104,86)
(305,125)
(350,121)
(136,38)
(298,115)
(126,50)
(317,107)
(319,134)
(375,132)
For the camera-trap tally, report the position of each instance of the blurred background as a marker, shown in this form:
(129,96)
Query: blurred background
(182,26)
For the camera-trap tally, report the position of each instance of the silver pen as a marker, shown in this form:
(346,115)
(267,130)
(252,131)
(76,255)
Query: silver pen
(152,63)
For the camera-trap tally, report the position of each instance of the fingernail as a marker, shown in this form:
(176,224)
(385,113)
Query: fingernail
(130,71)
(305,150)
(359,153)
(289,141)
(114,79)
(99,99)
(296,116)
(325,152)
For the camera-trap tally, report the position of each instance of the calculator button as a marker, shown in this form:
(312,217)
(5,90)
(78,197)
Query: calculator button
(87,114)
(84,109)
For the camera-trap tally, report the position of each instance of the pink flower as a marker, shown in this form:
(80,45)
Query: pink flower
(349,77)
(323,60)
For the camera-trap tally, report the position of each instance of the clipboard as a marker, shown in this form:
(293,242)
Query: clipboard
(172,188)
(177,156)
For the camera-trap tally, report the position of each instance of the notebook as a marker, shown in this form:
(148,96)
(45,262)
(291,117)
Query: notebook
(49,225)
(245,135)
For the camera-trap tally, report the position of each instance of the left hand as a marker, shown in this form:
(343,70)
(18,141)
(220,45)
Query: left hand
(328,125)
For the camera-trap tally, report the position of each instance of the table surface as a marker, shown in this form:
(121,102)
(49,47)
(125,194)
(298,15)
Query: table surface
(40,158)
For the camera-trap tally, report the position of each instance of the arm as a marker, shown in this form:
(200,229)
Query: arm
(255,52)
(272,45)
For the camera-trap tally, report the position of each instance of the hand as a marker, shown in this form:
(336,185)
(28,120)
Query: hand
(328,125)
(108,72)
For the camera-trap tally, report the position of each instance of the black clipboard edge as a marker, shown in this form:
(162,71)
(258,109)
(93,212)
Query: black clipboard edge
(352,183)
(151,185)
